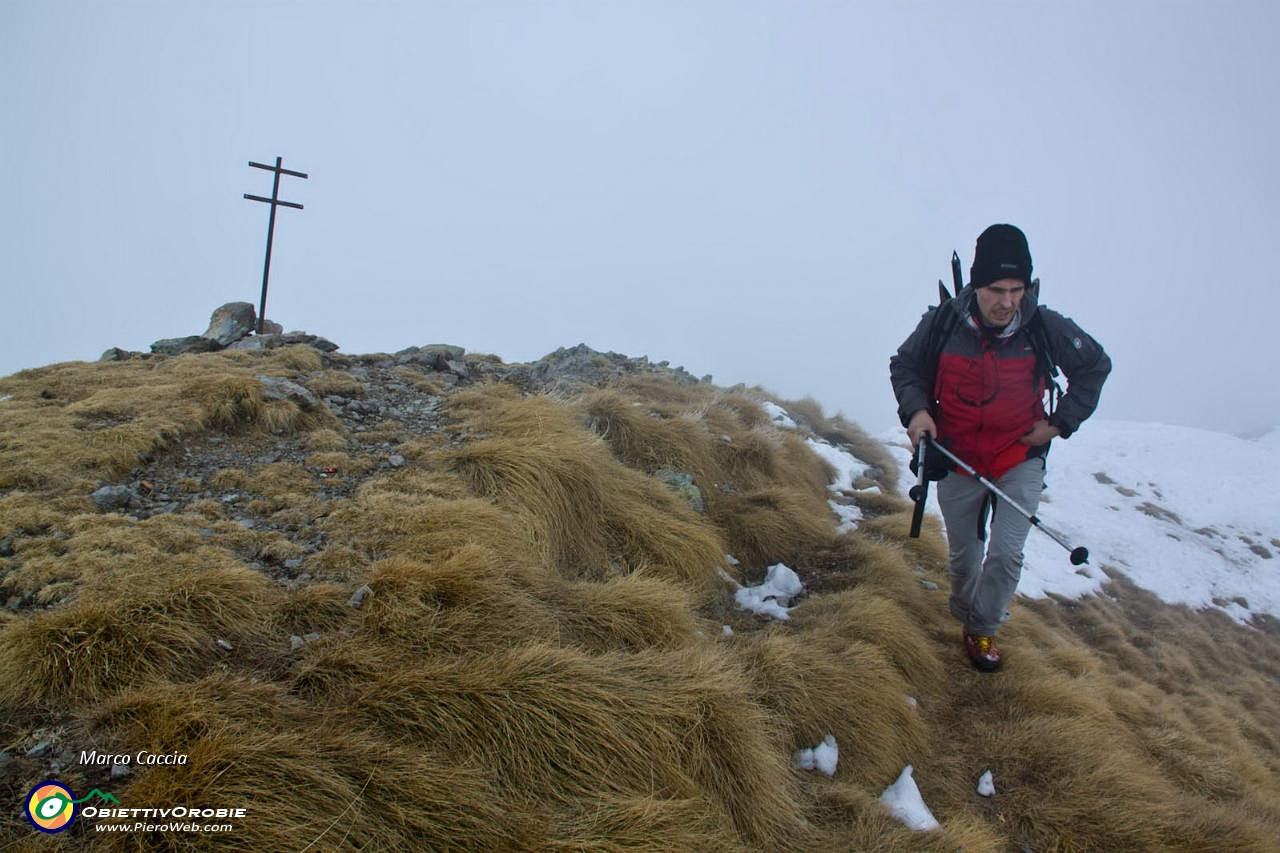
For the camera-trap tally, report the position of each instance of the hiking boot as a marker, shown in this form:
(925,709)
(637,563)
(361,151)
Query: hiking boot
(982,652)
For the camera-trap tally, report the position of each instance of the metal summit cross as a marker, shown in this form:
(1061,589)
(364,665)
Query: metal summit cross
(274,201)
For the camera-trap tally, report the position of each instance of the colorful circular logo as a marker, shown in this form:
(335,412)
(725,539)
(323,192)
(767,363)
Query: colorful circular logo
(51,806)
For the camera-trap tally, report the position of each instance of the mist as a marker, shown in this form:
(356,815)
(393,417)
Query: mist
(766,192)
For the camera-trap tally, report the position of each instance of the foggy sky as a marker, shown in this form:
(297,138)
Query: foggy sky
(766,192)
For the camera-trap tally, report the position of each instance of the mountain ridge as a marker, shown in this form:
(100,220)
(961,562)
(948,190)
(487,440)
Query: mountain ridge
(422,579)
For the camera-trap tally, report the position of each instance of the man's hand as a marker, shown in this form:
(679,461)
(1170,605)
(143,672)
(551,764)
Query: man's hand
(921,422)
(1040,433)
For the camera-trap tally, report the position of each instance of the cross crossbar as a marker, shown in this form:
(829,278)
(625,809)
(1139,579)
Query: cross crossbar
(276,168)
(273,201)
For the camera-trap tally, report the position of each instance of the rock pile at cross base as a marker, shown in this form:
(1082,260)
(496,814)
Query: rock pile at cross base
(234,326)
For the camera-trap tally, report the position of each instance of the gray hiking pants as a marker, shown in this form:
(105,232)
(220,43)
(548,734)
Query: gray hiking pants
(982,585)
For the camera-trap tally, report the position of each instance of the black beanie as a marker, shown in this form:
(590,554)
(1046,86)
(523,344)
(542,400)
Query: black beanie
(1001,252)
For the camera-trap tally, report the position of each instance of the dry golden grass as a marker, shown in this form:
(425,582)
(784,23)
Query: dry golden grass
(534,660)
(775,525)
(813,687)
(649,440)
(324,440)
(342,463)
(309,781)
(151,620)
(627,613)
(335,383)
(586,512)
(77,421)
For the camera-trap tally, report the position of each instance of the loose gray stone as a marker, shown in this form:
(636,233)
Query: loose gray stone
(231,322)
(359,596)
(182,346)
(682,484)
(324,345)
(113,497)
(275,388)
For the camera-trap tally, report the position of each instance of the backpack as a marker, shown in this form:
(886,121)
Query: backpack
(947,314)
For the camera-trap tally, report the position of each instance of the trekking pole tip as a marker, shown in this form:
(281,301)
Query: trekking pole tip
(1079,556)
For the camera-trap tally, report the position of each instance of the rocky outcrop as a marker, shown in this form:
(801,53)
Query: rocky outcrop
(272,341)
(181,346)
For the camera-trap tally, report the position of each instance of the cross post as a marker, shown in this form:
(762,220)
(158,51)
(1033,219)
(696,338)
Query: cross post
(275,202)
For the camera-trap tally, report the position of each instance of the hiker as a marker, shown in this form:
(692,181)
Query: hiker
(974,375)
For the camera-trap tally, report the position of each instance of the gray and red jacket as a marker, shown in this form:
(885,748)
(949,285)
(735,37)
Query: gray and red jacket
(986,388)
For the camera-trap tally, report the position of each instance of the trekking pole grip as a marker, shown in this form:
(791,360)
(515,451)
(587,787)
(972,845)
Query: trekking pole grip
(919,493)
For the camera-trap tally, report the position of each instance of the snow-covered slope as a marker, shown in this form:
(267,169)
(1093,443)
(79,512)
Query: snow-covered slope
(1192,515)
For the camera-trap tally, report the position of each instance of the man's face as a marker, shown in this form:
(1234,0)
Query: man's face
(998,301)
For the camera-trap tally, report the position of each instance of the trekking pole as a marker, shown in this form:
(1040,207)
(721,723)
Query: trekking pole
(1078,555)
(920,491)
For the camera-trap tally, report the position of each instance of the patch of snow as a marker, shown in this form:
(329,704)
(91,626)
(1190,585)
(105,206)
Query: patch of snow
(848,467)
(904,802)
(778,415)
(849,516)
(771,598)
(823,757)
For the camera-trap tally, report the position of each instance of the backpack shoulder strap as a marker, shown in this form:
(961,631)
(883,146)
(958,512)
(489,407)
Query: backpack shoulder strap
(945,317)
(1040,342)
(1045,366)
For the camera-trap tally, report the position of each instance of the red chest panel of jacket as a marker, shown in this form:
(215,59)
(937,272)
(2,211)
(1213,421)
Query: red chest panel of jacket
(989,395)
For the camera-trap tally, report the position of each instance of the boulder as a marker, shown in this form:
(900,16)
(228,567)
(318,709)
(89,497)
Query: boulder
(231,322)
